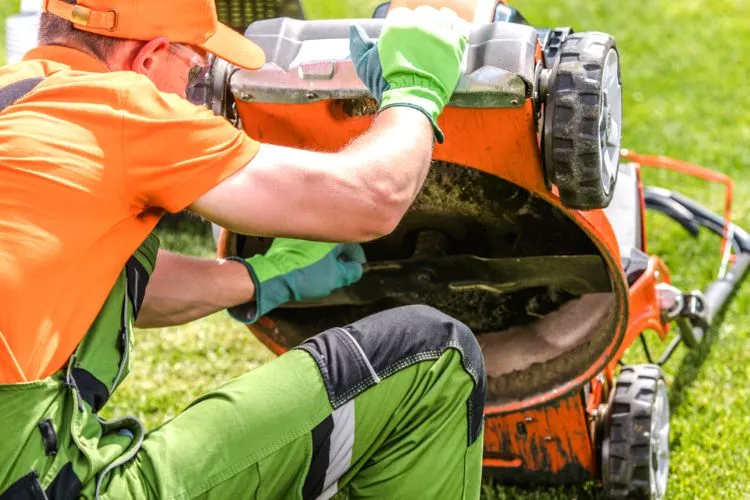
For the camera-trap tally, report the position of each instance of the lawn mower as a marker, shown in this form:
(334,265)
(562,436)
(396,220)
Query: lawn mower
(530,228)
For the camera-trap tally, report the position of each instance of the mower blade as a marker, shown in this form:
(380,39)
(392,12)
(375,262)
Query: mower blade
(408,280)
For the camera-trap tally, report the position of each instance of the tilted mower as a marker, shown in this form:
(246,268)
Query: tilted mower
(529,229)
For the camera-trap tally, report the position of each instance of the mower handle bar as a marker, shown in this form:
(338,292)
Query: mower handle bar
(691,215)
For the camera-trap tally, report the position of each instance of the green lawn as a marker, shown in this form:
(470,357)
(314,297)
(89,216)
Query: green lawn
(7,7)
(684,68)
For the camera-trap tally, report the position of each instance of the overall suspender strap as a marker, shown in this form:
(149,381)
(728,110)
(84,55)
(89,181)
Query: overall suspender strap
(13,92)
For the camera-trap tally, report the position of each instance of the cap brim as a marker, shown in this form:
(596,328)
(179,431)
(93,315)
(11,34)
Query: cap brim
(234,48)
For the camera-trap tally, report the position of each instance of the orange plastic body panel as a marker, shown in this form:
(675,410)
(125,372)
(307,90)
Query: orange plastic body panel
(644,306)
(509,149)
(553,441)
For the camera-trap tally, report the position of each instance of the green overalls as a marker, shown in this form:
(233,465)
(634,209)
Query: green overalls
(388,407)
(53,439)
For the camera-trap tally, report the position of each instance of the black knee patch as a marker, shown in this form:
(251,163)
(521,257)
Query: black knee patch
(357,356)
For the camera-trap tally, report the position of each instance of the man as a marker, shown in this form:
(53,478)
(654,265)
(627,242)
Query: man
(96,143)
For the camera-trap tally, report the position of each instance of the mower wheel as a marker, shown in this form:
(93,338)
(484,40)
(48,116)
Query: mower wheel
(583,126)
(635,449)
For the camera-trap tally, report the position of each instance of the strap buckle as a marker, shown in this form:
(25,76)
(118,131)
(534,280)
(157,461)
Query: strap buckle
(80,15)
(83,16)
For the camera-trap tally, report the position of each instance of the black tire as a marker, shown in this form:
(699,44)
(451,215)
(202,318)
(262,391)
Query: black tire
(628,450)
(578,137)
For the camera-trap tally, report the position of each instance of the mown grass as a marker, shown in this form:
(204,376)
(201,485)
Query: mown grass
(7,7)
(685,67)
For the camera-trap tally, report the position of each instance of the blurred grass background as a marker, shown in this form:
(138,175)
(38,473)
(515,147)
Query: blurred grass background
(685,70)
(7,7)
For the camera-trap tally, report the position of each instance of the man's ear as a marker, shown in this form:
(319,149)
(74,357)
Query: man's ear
(149,54)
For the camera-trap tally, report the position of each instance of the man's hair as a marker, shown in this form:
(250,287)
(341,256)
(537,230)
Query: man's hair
(55,30)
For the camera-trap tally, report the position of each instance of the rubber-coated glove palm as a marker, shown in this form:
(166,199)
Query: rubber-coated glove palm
(298,270)
(416,61)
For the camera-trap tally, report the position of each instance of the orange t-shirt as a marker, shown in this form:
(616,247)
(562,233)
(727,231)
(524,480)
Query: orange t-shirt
(89,162)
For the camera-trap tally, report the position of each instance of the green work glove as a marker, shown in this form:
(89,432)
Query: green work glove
(416,61)
(297,270)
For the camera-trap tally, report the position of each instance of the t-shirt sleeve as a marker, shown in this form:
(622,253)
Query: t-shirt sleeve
(175,151)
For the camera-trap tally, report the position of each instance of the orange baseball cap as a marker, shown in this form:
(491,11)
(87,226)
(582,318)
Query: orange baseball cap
(193,22)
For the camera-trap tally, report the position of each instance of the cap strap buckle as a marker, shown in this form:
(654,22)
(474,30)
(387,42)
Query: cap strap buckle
(82,16)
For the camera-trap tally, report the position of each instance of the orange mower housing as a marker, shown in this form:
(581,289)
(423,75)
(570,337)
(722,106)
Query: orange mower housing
(529,228)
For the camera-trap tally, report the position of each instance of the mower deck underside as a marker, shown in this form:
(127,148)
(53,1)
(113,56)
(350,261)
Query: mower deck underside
(534,336)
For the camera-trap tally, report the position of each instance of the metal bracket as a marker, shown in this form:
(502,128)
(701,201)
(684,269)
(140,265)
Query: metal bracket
(689,310)
(695,309)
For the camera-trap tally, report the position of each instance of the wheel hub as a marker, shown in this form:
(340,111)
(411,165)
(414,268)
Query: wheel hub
(659,440)
(610,120)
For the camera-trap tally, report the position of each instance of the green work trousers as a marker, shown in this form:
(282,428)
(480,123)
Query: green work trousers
(389,407)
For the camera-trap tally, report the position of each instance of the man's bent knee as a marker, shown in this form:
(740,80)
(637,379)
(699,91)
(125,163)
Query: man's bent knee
(357,356)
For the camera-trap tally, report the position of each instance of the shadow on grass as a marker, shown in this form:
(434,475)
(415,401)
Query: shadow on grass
(690,365)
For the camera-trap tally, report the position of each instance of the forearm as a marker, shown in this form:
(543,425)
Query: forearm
(372,182)
(392,158)
(184,288)
(356,194)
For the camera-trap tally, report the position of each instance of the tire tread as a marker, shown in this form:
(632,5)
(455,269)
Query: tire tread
(575,169)
(630,417)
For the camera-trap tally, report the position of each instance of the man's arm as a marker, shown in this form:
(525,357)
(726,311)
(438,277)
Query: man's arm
(184,288)
(361,192)
(357,194)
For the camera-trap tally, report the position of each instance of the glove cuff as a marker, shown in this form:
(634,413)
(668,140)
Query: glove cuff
(420,98)
(249,312)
